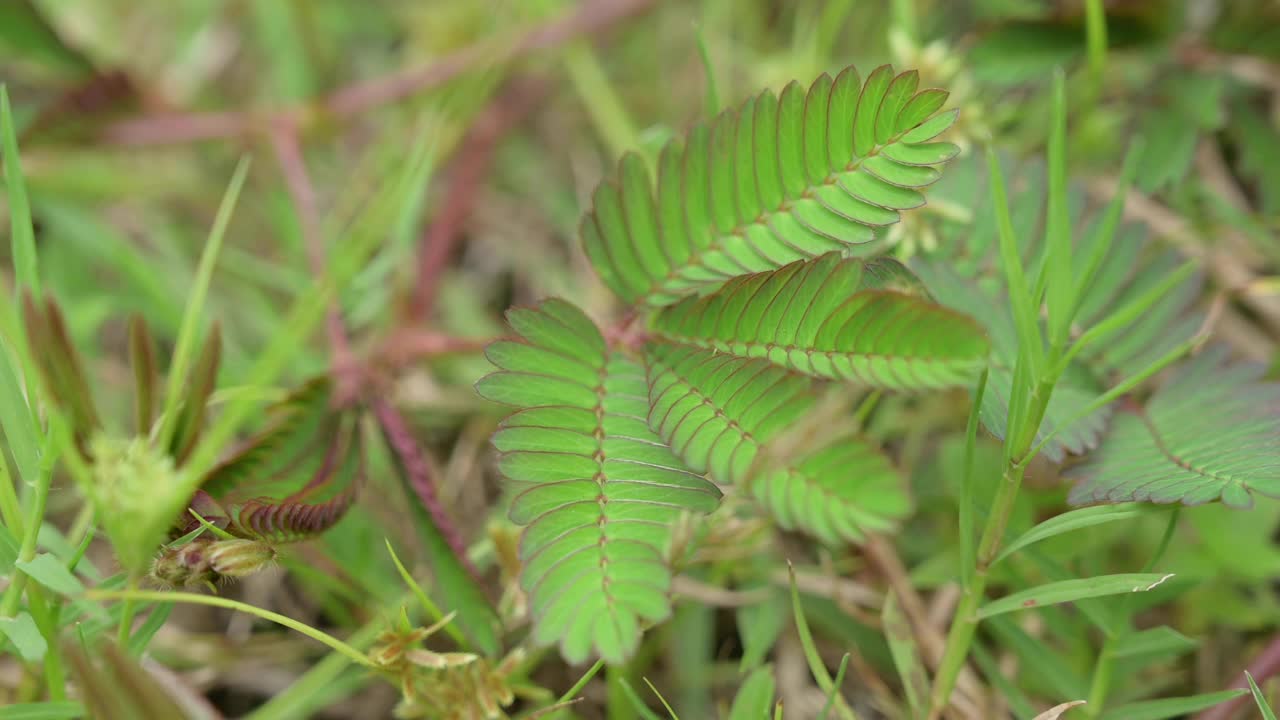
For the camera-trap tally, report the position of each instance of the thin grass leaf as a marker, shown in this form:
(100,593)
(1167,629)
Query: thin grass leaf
(142,358)
(1058,263)
(1156,643)
(201,384)
(1210,433)
(184,346)
(968,486)
(432,611)
(835,686)
(1072,590)
(20,433)
(1264,707)
(665,705)
(1102,237)
(637,703)
(816,666)
(1169,707)
(61,710)
(1067,522)
(21,231)
(776,180)
(902,644)
(1030,342)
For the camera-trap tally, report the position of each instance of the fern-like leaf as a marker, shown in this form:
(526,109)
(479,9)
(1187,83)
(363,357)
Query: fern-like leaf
(835,318)
(293,480)
(596,487)
(1211,433)
(776,180)
(736,419)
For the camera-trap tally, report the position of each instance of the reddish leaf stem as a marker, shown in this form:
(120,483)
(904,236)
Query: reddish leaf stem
(347,370)
(418,472)
(469,168)
(178,127)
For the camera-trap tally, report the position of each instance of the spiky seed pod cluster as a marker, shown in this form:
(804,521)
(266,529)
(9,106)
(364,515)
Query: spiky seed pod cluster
(132,488)
(203,562)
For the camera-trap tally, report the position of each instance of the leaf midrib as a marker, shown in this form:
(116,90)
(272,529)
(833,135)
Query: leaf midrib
(709,344)
(717,243)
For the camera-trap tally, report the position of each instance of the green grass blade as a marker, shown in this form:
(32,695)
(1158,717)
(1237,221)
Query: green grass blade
(637,703)
(1169,707)
(43,711)
(902,645)
(831,696)
(20,433)
(1122,317)
(1263,706)
(1067,522)
(1105,233)
(1030,343)
(1072,590)
(816,666)
(22,231)
(185,346)
(433,612)
(1058,270)
(1095,29)
(968,524)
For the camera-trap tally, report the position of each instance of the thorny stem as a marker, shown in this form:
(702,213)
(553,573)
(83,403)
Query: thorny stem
(418,471)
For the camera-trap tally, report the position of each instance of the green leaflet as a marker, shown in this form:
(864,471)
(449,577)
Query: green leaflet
(596,487)
(1208,434)
(776,180)
(294,479)
(728,416)
(835,318)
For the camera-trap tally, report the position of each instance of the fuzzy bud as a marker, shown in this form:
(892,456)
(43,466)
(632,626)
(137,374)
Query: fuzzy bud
(239,558)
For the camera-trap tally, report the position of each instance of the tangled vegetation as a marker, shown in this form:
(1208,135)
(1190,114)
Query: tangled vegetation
(640,360)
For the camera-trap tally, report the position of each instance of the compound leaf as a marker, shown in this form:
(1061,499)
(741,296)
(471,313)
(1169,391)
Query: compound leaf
(1211,433)
(835,318)
(294,479)
(597,489)
(776,180)
(740,420)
